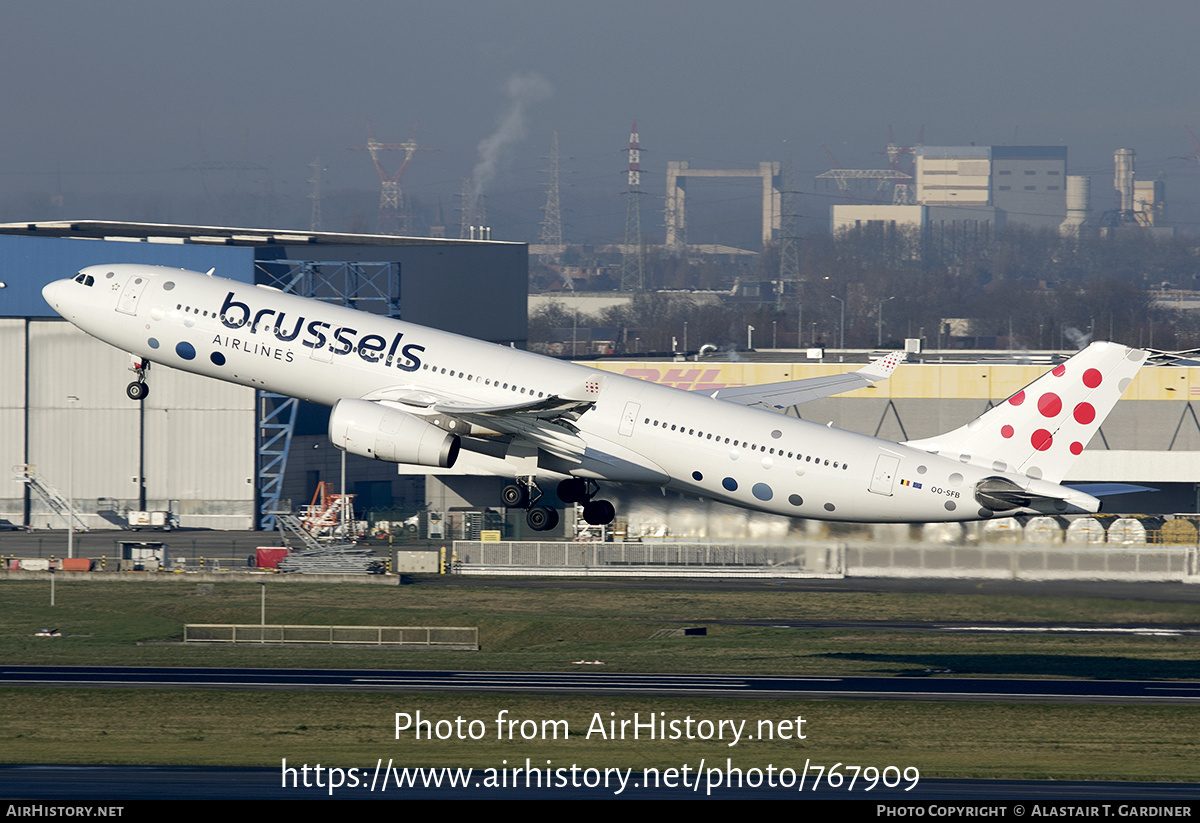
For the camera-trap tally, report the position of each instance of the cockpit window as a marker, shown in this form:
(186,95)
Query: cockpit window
(85,279)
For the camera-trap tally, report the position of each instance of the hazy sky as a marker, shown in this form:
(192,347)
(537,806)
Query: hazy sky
(108,98)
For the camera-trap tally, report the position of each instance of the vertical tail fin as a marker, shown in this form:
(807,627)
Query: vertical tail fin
(1041,429)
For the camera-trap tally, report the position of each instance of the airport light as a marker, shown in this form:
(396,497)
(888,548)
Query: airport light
(842,333)
(72,400)
(879,320)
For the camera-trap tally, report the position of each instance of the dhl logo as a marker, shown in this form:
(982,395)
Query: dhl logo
(686,379)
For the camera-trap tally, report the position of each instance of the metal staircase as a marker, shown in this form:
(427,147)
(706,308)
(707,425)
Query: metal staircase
(288,524)
(27,473)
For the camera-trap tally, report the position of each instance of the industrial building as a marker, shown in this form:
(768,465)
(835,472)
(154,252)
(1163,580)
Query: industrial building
(215,454)
(981,189)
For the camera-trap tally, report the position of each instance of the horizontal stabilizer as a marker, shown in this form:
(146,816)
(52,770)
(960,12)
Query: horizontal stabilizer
(1000,494)
(1108,489)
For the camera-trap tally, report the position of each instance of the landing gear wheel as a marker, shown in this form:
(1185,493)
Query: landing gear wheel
(541,519)
(573,490)
(137,390)
(599,513)
(514,497)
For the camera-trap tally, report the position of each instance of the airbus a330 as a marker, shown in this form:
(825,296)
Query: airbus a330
(408,394)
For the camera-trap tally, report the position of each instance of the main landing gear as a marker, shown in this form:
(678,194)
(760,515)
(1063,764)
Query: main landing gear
(525,494)
(578,490)
(138,389)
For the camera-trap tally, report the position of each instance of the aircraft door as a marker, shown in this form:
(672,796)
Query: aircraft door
(127,303)
(629,417)
(885,474)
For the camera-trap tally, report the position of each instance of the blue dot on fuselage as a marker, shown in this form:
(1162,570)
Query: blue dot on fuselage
(217,358)
(153,341)
(185,350)
(730,484)
(762,491)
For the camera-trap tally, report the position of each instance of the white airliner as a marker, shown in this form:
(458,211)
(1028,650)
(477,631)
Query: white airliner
(408,394)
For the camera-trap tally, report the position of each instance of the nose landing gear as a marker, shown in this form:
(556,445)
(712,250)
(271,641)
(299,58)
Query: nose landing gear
(138,389)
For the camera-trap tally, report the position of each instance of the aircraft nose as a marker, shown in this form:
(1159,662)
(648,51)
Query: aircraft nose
(49,292)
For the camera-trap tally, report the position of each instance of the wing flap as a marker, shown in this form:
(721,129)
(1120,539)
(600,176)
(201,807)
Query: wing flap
(546,408)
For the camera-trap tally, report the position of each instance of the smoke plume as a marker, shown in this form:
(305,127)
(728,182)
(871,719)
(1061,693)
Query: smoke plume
(522,91)
(1078,339)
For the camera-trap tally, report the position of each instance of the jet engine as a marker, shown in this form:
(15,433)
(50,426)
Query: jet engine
(371,429)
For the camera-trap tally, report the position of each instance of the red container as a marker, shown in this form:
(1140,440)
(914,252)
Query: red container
(269,557)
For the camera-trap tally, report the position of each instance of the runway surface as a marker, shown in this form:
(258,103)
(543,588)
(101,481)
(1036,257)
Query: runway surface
(1128,692)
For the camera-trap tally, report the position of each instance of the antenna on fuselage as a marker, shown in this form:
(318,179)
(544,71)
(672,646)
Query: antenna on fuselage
(210,271)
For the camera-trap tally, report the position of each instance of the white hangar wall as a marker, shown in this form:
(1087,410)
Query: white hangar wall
(191,442)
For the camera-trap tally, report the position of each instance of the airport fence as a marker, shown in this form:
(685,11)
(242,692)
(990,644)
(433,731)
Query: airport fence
(817,559)
(1027,562)
(1160,562)
(444,636)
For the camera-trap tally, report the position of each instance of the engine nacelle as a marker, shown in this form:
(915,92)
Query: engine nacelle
(371,429)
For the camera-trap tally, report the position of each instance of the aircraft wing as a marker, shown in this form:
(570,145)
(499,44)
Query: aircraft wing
(547,422)
(794,392)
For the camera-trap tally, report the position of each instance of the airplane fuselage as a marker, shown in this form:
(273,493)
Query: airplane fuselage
(634,432)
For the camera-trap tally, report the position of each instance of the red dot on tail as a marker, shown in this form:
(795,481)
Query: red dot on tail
(1049,404)
(1084,413)
(1076,448)
(1018,398)
(1006,431)
(1041,440)
(1092,378)
(1059,370)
